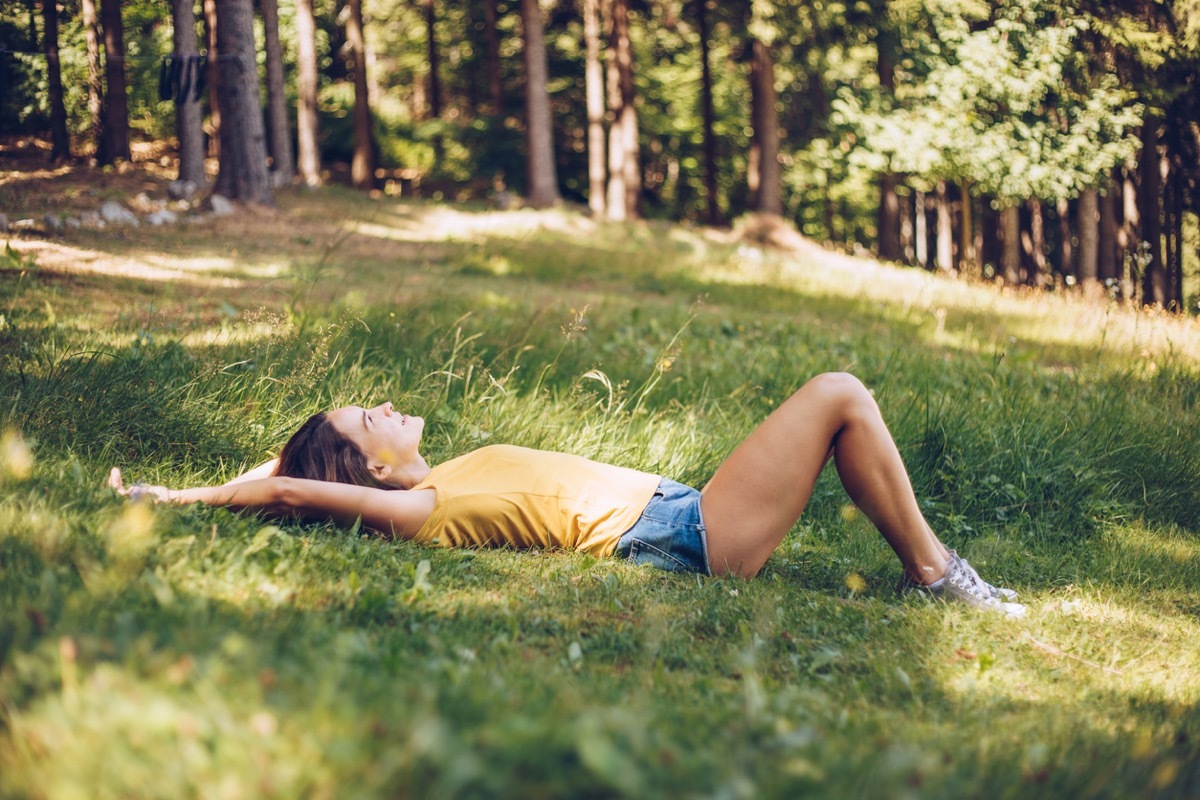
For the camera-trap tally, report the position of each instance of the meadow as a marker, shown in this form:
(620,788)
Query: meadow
(178,652)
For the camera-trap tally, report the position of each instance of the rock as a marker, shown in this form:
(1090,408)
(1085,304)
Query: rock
(21,224)
(3,223)
(92,220)
(181,190)
(73,223)
(221,206)
(162,217)
(117,214)
(53,222)
(145,204)
(504,200)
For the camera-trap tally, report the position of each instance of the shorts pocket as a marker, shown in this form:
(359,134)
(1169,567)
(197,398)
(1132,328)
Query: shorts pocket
(645,553)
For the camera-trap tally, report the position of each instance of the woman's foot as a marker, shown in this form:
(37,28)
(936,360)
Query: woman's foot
(962,584)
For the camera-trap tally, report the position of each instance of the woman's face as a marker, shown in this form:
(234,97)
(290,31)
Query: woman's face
(389,440)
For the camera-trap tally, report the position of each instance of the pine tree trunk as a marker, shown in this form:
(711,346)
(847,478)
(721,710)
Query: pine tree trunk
(624,178)
(1130,227)
(920,232)
(1173,207)
(1064,253)
(966,238)
(308,155)
(708,117)
(187,106)
(60,139)
(888,221)
(769,195)
(215,136)
(1087,271)
(1037,273)
(991,247)
(1010,232)
(945,228)
(907,250)
(495,85)
(116,101)
(542,173)
(1106,238)
(243,171)
(95,101)
(594,80)
(362,166)
(1154,278)
(279,126)
(431,52)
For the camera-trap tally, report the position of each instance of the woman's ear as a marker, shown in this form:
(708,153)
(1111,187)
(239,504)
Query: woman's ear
(380,471)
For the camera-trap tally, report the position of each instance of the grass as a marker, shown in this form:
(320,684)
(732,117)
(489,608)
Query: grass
(187,651)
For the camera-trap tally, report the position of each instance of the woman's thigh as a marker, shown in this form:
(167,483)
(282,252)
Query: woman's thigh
(760,490)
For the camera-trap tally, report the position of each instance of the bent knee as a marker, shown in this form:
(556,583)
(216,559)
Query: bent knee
(849,394)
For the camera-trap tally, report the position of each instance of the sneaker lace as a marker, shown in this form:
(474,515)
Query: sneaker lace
(965,577)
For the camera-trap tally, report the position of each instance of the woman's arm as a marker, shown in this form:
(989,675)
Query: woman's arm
(263,470)
(393,513)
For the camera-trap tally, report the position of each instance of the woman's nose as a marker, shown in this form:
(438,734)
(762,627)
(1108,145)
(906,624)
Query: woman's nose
(387,408)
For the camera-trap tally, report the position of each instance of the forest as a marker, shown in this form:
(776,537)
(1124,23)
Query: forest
(1049,143)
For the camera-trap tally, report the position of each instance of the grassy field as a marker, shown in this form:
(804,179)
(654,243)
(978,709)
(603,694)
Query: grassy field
(167,652)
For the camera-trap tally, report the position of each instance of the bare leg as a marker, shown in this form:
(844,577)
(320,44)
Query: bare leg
(759,492)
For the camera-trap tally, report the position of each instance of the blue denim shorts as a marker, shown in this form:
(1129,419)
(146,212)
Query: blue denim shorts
(670,533)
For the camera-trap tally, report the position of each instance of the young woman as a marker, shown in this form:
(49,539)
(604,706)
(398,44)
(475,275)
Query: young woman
(347,465)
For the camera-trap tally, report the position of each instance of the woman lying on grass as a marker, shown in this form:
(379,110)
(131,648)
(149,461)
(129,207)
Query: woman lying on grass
(343,465)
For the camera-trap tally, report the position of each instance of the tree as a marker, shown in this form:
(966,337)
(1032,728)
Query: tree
(594,80)
(539,135)
(362,167)
(243,166)
(431,49)
(888,222)
(707,116)
(95,102)
(495,84)
(624,174)
(60,140)
(308,159)
(280,139)
(214,78)
(115,136)
(765,178)
(187,103)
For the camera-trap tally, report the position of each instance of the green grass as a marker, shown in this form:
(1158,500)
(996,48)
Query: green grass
(187,651)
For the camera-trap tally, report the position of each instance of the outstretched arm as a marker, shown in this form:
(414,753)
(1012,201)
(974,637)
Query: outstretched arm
(263,470)
(392,513)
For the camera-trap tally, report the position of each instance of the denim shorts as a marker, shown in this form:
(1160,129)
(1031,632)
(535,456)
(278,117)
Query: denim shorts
(670,533)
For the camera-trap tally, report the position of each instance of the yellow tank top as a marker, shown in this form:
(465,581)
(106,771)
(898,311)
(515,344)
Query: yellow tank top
(507,495)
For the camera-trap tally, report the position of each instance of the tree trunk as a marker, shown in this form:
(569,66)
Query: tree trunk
(431,51)
(1154,278)
(116,101)
(495,85)
(1106,238)
(60,139)
(991,245)
(95,86)
(1088,224)
(769,195)
(1035,246)
(214,79)
(594,80)
(1173,208)
(945,228)
(243,172)
(1130,226)
(308,161)
(708,117)
(888,234)
(1010,232)
(624,177)
(279,127)
(920,232)
(1064,253)
(966,238)
(187,105)
(542,174)
(907,250)
(362,166)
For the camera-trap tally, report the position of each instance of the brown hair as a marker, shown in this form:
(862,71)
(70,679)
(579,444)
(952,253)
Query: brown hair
(318,451)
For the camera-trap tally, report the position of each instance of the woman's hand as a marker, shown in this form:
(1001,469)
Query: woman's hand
(139,491)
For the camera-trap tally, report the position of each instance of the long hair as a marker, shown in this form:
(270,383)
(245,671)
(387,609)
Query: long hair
(318,451)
